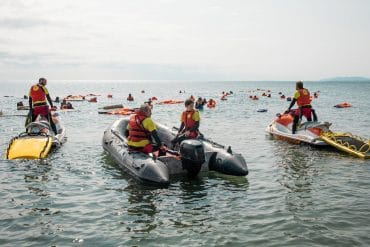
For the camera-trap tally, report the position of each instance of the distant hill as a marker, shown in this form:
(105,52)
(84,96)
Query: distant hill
(347,78)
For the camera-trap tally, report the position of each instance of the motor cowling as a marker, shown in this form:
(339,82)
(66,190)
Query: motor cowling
(192,156)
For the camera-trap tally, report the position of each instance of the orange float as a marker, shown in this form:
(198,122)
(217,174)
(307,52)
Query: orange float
(93,100)
(121,111)
(170,102)
(211,103)
(343,105)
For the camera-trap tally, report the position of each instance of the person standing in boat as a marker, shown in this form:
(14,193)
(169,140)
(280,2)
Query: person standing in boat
(189,128)
(303,100)
(141,129)
(38,95)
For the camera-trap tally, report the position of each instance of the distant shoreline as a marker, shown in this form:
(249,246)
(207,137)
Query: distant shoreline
(346,79)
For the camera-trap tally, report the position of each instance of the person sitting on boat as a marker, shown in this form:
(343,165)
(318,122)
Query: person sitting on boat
(189,128)
(303,100)
(130,98)
(37,102)
(141,129)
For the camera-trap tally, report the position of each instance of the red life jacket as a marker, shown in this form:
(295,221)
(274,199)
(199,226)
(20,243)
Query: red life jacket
(187,117)
(304,97)
(136,130)
(38,95)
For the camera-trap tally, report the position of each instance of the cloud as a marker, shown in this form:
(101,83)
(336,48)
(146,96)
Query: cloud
(238,39)
(21,23)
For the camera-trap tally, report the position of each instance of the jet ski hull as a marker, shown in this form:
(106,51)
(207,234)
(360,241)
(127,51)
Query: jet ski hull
(308,132)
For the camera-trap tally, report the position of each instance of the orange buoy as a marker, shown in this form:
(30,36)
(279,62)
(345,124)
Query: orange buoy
(343,105)
(93,100)
(170,102)
(211,103)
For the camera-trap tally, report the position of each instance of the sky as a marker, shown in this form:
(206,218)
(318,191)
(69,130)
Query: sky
(184,40)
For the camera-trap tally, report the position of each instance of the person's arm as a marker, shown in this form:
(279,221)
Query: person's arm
(30,102)
(50,101)
(182,126)
(48,96)
(292,104)
(156,137)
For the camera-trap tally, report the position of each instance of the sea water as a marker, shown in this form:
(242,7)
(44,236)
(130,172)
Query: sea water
(293,195)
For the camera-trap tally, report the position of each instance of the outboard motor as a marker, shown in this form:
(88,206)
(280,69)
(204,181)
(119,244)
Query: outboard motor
(192,156)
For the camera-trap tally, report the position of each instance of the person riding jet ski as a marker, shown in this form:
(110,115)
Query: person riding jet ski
(303,100)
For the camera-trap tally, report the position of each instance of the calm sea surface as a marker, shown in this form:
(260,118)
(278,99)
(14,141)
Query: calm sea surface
(293,195)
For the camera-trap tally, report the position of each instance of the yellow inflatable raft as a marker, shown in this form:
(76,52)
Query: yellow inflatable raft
(354,145)
(29,147)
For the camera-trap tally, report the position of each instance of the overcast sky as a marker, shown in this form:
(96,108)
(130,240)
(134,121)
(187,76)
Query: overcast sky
(184,40)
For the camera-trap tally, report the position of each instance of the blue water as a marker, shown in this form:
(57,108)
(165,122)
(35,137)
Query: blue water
(294,195)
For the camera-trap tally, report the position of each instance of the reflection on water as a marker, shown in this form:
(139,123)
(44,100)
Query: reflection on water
(298,174)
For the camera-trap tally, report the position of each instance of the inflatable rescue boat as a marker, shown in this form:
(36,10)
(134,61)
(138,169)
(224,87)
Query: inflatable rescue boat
(192,157)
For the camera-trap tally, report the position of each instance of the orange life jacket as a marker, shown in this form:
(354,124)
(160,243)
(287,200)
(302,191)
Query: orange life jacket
(187,117)
(136,131)
(304,97)
(38,95)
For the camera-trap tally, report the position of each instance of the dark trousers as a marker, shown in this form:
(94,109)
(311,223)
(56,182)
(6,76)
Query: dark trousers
(298,117)
(50,120)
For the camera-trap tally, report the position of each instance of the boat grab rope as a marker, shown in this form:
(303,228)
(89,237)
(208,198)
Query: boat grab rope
(365,148)
(45,146)
(10,144)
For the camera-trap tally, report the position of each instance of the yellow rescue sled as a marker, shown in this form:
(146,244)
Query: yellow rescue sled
(38,140)
(29,147)
(354,145)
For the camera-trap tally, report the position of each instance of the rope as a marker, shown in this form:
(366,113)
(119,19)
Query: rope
(363,149)
(10,144)
(47,142)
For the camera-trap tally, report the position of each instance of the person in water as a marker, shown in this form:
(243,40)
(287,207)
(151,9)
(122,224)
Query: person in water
(141,129)
(130,98)
(303,100)
(189,128)
(38,95)
(199,104)
(66,105)
(149,103)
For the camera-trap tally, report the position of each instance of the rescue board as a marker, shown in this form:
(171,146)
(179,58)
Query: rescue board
(29,147)
(351,144)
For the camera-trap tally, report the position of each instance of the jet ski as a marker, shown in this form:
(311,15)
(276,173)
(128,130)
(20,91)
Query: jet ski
(193,156)
(307,132)
(38,140)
